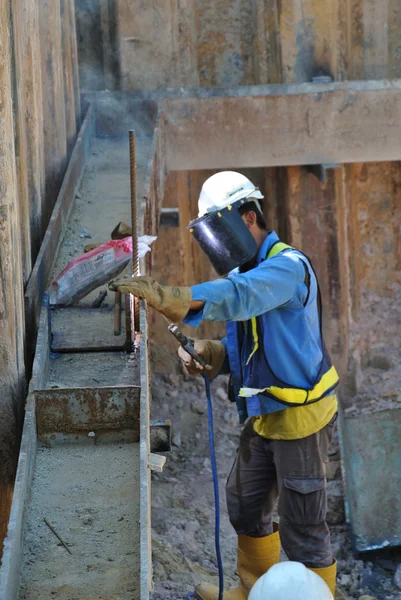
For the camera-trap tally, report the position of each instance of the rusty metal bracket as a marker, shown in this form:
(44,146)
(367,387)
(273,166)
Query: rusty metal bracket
(169,217)
(160,436)
(320,171)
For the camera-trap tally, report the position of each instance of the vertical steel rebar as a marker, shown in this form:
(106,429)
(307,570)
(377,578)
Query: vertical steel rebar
(117,313)
(134,224)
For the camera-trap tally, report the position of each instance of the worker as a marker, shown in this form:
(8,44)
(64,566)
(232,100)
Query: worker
(281,378)
(290,581)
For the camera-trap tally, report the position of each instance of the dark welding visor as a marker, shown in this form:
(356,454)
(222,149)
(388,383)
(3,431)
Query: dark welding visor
(224,238)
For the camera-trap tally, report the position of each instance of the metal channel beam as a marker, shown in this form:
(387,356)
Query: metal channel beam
(124,407)
(62,412)
(146,572)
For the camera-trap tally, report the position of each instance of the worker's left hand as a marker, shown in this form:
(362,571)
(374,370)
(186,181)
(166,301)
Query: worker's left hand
(212,351)
(172,302)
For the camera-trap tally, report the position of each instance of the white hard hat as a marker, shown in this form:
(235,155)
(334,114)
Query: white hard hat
(225,188)
(290,581)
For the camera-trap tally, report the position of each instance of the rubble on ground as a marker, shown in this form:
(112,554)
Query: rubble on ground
(183,506)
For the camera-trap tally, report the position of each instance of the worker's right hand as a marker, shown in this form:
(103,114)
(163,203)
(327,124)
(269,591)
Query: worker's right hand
(212,351)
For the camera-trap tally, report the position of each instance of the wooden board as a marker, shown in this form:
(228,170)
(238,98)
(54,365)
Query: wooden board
(54,113)
(12,367)
(87,410)
(69,70)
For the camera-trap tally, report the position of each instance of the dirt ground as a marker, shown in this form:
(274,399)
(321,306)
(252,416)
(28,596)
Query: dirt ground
(183,510)
(375,343)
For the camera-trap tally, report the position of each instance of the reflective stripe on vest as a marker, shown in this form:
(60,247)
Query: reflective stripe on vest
(289,395)
(327,382)
(275,249)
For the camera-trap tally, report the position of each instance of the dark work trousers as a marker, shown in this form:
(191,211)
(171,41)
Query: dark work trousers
(294,471)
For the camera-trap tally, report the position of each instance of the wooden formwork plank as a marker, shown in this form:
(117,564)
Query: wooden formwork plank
(54,116)
(75,64)
(67,36)
(21,151)
(29,117)
(40,276)
(12,378)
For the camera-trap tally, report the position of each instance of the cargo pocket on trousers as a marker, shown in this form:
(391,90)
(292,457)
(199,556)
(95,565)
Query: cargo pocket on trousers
(303,500)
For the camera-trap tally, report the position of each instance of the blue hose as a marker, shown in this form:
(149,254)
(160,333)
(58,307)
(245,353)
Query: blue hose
(216,491)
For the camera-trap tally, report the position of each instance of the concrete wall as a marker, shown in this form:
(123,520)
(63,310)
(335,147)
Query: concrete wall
(39,116)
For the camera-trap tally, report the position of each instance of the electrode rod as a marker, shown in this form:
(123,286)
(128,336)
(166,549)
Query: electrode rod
(117,313)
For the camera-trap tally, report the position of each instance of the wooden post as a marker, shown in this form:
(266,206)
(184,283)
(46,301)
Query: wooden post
(29,125)
(75,66)
(68,72)
(11,287)
(55,135)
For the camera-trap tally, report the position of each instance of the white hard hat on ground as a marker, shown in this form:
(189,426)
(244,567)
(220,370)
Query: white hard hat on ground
(290,581)
(225,188)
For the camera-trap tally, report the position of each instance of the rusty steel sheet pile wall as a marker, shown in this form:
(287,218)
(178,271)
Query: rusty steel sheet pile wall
(153,45)
(39,116)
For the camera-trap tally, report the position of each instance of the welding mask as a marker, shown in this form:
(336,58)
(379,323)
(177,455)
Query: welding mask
(219,229)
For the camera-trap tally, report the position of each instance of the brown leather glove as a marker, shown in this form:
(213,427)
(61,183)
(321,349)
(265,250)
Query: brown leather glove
(212,351)
(172,302)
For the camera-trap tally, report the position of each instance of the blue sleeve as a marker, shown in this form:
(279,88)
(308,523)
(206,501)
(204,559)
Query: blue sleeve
(239,297)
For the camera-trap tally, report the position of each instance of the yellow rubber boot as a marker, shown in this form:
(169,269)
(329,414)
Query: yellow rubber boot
(329,575)
(255,557)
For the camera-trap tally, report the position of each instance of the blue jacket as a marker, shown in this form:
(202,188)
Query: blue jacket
(282,293)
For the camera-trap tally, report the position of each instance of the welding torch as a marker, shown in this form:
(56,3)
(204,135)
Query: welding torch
(188,346)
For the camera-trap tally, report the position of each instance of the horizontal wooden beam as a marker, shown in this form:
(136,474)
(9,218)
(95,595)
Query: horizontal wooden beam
(285,125)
